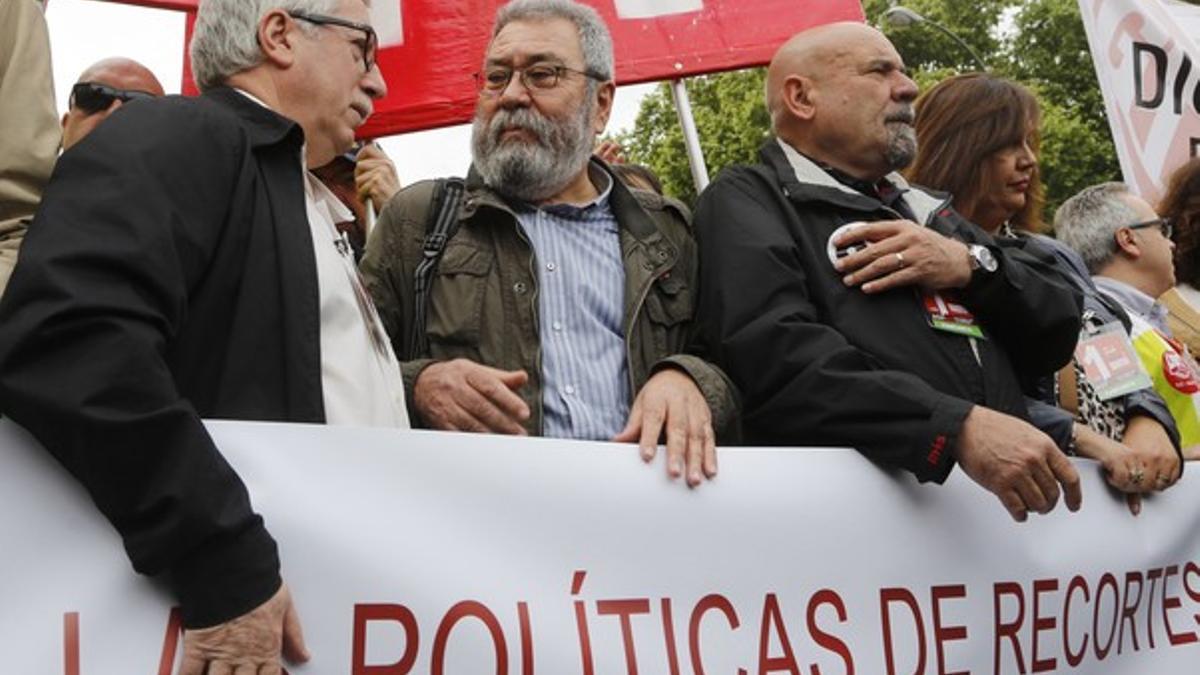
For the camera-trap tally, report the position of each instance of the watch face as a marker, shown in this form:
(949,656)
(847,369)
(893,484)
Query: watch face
(983,258)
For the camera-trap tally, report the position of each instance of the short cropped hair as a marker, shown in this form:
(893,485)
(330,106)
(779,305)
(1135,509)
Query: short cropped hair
(225,39)
(594,38)
(1088,222)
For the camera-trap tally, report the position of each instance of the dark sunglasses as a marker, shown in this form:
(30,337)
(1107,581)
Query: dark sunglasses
(1164,225)
(93,97)
(369,44)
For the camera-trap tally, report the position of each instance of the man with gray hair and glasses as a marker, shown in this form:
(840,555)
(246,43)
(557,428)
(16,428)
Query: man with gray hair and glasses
(562,301)
(184,265)
(1128,250)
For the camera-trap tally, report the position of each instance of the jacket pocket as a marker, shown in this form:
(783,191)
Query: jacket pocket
(456,296)
(669,302)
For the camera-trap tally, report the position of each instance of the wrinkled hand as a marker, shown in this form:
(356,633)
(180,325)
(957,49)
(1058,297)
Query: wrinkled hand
(902,253)
(1016,462)
(671,401)
(462,395)
(375,176)
(251,643)
(610,151)
(1153,463)
(1113,458)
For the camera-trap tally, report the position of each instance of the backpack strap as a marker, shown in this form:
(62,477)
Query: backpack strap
(440,225)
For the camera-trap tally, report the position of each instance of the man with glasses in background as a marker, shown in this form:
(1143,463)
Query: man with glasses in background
(562,301)
(184,265)
(1127,248)
(102,89)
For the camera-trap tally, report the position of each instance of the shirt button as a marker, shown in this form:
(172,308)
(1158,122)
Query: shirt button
(569,390)
(557,325)
(551,266)
(519,287)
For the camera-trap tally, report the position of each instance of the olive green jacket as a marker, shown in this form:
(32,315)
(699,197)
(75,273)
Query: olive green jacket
(483,298)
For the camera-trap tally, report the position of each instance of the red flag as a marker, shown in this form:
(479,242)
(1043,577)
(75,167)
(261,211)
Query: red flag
(430,49)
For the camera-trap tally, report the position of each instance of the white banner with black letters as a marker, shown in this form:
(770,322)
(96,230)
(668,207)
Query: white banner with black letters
(1145,53)
(418,552)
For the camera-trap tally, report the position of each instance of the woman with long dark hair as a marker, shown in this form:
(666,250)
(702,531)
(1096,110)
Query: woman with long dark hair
(978,139)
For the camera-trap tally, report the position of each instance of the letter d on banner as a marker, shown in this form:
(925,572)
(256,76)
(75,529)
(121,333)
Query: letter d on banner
(648,9)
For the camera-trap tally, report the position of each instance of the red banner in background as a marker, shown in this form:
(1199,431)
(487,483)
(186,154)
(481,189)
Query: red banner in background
(431,48)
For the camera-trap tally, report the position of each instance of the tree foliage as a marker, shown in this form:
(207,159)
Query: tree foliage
(1040,43)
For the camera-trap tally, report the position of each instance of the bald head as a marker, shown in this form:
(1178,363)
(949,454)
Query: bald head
(838,93)
(812,53)
(121,74)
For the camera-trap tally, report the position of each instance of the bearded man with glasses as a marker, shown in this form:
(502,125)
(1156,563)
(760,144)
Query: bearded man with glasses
(184,265)
(562,303)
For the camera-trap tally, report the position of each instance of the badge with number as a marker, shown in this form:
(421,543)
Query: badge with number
(945,313)
(1110,363)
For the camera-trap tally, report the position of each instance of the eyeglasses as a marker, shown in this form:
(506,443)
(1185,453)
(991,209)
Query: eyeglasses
(369,45)
(537,77)
(93,97)
(1164,225)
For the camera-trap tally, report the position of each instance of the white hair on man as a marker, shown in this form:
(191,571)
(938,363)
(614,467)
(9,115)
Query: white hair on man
(594,38)
(225,39)
(1088,222)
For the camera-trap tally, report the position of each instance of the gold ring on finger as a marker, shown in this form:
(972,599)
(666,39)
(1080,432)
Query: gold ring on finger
(900,259)
(1136,476)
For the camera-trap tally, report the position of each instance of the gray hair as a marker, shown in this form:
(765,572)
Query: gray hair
(225,39)
(594,38)
(1088,222)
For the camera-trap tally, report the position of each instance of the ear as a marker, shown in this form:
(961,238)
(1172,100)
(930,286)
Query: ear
(276,38)
(605,94)
(1127,244)
(65,117)
(798,97)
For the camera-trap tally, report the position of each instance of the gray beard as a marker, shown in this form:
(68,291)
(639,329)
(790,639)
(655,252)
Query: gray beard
(532,171)
(902,145)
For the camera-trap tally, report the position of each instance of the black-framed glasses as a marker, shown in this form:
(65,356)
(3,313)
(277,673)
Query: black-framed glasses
(537,77)
(1164,225)
(369,44)
(93,97)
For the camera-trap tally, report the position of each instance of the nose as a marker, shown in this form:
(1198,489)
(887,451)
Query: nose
(1028,156)
(373,83)
(905,89)
(515,93)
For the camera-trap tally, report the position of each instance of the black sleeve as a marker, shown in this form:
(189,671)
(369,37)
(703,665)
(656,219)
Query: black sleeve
(1052,420)
(129,220)
(1029,304)
(802,382)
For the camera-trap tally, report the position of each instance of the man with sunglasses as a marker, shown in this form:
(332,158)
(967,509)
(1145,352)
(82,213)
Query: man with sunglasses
(101,90)
(184,265)
(562,303)
(1128,250)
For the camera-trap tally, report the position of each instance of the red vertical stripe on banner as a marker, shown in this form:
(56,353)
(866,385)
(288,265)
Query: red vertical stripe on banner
(170,641)
(71,643)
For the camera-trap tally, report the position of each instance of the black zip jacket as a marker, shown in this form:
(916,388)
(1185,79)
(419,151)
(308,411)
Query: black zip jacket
(820,363)
(169,275)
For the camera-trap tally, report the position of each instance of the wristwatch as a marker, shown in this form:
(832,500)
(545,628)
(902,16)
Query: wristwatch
(981,258)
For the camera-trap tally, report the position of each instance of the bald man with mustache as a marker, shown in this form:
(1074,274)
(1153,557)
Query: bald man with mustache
(853,309)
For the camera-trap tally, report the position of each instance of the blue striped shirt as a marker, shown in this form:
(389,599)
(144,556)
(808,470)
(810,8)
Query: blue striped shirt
(581,291)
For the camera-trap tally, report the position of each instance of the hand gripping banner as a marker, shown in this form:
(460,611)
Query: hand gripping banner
(432,48)
(433,553)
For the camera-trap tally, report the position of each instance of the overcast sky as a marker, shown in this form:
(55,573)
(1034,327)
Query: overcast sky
(85,31)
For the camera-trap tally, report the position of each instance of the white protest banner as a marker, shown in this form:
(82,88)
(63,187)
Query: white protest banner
(1145,52)
(418,552)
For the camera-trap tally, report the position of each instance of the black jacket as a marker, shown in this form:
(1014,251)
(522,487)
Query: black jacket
(823,364)
(168,276)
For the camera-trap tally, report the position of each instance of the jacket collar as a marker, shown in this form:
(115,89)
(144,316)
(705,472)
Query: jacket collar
(263,125)
(803,180)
